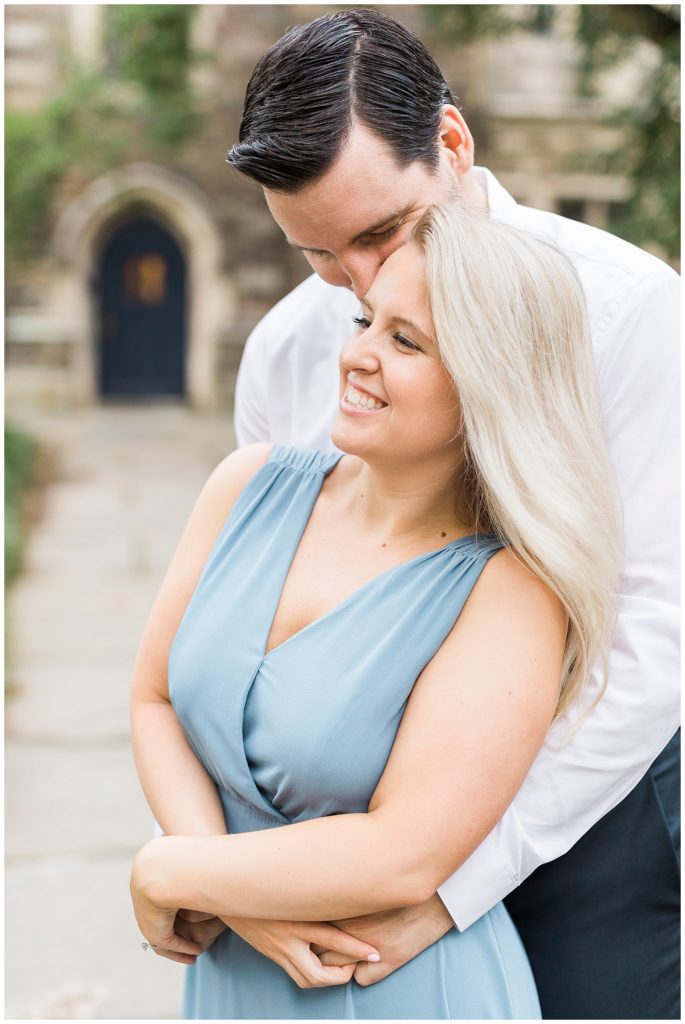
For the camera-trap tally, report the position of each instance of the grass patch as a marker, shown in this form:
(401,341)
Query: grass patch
(20,459)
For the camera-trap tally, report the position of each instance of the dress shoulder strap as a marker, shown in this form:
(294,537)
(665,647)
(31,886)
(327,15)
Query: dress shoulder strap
(304,460)
(485,545)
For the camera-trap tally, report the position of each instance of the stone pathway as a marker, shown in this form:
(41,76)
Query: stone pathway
(126,478)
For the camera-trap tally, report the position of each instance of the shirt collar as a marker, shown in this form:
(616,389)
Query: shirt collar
(501,204)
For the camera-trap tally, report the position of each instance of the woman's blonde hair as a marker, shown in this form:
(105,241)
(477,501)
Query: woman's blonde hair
(510,320)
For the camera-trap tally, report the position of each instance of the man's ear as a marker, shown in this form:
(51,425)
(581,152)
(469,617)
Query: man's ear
(455,140)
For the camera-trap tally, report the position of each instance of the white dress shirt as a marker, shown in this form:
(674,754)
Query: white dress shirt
(287,392)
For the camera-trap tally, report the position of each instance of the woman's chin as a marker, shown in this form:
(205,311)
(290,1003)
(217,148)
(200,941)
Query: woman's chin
(348,439)
(342,442)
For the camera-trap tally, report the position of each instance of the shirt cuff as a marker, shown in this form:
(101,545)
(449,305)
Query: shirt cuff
(481,882)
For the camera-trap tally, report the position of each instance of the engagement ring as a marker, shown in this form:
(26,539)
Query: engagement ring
(147,945)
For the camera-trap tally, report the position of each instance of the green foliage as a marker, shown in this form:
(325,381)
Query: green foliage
(41,145)
(608,34)
(149,44)
(650,127)
(470,22)
(20,456)
(140,102)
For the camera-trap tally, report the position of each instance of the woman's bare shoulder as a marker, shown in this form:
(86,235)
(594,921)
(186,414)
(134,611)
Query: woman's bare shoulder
(506,581)
(510,598)
(234,472)
(510,634)
(219,495)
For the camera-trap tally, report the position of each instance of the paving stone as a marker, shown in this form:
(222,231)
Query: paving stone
(66,798)
(125,481)
(71,703)
(73,947)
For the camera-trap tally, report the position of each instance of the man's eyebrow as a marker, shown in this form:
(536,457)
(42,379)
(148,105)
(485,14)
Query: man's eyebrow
(397,215)
(302,248)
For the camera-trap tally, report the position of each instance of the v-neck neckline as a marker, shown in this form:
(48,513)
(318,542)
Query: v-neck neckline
(355,593)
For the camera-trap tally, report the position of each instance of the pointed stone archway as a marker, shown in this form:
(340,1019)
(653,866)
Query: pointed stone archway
(80,234)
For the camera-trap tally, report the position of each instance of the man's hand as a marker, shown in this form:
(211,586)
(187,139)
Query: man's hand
(289,944)
(399,935)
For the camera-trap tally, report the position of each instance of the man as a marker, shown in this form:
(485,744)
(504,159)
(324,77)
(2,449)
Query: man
(351,131)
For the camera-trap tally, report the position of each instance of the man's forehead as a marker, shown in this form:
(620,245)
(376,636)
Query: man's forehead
(361,192)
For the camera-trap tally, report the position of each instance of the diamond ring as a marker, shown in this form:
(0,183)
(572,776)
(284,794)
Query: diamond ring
(147,945)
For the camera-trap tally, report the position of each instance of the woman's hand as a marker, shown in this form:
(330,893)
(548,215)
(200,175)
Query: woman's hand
(198,927)
(292,945)
(157,922)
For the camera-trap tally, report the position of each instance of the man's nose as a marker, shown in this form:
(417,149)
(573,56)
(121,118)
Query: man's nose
(360,270)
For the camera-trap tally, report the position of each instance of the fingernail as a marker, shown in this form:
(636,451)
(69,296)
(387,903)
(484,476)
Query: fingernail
(374,958)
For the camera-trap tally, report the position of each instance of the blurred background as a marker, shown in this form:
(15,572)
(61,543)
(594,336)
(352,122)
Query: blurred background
(137,262)
(119,119)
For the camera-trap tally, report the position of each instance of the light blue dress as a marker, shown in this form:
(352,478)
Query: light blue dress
(306,731)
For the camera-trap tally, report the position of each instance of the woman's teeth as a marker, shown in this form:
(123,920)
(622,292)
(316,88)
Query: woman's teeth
(355,397)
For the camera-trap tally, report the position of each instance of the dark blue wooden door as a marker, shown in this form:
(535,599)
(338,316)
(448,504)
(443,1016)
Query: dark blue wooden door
(142,303)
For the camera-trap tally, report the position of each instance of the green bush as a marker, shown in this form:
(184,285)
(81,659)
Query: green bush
(149,44)
(40,147)
(20,458)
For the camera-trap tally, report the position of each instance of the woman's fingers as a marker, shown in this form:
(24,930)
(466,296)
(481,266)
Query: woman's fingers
(194,916)
(172,942)
(204,932)
(327,939)
(293,946)
(179,958)
(329,958)
(181,945)
(319,976)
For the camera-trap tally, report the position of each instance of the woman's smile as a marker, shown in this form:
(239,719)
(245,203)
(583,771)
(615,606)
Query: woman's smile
(356,401)
(392,364)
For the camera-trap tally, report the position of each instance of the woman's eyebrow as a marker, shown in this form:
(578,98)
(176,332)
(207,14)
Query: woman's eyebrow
(401,321)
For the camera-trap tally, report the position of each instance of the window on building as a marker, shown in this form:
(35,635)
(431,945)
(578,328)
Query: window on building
(574,209)
(617,216)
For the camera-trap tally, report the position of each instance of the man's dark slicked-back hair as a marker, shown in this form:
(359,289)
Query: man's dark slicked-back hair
(307,90)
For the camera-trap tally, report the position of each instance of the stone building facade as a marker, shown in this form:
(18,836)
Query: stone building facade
(65,346)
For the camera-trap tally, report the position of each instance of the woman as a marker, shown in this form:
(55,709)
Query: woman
(368,650)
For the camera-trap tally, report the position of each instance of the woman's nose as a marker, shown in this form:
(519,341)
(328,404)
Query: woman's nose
(360,352)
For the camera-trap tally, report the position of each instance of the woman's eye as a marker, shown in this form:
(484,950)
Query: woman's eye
(406,343)
(361,321)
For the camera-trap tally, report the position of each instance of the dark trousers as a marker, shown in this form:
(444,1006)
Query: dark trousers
(601,924)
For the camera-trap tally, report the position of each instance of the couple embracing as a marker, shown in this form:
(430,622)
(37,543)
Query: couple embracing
(406,705)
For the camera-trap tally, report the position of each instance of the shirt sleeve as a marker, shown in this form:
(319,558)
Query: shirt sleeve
(575,782)
(250,418)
